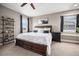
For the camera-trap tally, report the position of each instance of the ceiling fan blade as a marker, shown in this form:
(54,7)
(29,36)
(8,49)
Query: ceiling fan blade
(32,5)
(23,4)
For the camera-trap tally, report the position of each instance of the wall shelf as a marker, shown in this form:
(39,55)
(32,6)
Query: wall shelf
(6,30)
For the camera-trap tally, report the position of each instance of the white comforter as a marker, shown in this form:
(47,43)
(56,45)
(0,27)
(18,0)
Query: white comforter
(40,38)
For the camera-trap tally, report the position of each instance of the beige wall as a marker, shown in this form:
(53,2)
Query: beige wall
(12,14)
(54,19)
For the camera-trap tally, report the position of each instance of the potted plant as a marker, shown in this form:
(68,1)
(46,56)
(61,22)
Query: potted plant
(77,29)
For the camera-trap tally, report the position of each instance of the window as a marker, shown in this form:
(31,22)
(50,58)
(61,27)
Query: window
(69,24)
(24,25)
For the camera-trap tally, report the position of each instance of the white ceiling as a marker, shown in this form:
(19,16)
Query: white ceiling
(41,8)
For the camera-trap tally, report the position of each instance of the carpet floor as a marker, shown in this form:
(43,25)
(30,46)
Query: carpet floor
(58,49)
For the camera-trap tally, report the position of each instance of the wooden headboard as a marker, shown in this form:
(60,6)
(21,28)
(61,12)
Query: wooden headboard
(45,26)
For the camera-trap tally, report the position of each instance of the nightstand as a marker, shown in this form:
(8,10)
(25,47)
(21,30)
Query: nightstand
(56,36)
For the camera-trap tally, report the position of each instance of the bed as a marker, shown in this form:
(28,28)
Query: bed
(36,42)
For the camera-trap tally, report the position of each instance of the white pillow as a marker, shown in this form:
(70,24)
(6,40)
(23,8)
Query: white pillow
(40,30)
(47,29)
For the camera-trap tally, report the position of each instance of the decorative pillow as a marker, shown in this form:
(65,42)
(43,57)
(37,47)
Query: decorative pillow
(45,31)
(35,30)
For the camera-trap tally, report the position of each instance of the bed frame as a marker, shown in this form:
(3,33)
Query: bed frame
(38,48)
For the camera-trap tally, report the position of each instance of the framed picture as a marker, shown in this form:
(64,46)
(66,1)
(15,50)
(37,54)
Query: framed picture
(43,21)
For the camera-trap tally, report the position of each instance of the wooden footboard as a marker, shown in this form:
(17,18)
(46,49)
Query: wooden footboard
(38,48)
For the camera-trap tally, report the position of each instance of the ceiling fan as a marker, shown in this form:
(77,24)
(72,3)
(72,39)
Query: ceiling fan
(32,5)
